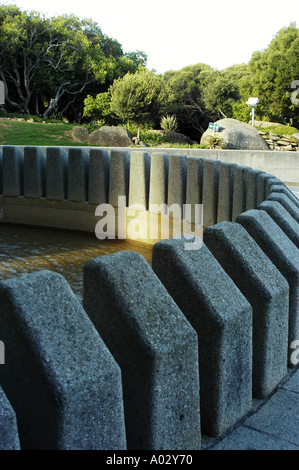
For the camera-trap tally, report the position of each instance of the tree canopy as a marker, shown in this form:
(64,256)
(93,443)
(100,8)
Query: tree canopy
(48,65)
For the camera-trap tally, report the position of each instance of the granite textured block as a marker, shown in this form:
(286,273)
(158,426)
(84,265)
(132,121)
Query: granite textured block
(78,172)
(9,438)
(252,188)
(240,191)
(222,319)
(266,290)
(140,167)
(283,254)
(286,202)
(281,188)
(177,180)
(226,191)
(159,179)
(154,345)
(262,187)
(56,174)
(210,191)
(34,172)
(98,187)
(13,172)
(283,219)
(119,176)
(59,376)
(194,184)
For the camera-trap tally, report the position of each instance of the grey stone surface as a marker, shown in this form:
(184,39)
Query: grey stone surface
(78,172)
(240,191)
(281,188)
(140,167)
(283,254)
(279,417)
(262,187)
(155,347)
(34,172)
(177,180)
(266,290)
(286,202)
(111,136)
(56,174)
(13,171)
(98,188)
(222,319)
(237,135)
(226,191)
(293,384)
(159,178)
(59,376)
(80,134)
(246,438)
(252,188)
(194,188)
(9,438)
(283,219)
(119,176)
(210,191)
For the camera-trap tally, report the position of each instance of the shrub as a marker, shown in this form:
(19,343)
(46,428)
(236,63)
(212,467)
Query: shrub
(169,123)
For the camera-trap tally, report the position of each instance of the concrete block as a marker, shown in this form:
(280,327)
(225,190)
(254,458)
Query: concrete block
(210,191)
(98,187)
(154,345)
(281,188)
(240,191)
(78,173)
(222,319)
(119,176)
(158,191)
(9,438)
(286,202)
(252,188)
(59,376)
(226,191)
(262,187)
(140,167)
(34,173)
(56,174)
(13,172)
(283,219)
(266,290)
(283,254)
(177,180)
(194,180)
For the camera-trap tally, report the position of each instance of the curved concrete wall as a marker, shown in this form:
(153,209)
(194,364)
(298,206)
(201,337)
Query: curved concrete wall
(181,348)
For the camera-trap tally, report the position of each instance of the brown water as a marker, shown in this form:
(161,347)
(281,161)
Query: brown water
(26,249)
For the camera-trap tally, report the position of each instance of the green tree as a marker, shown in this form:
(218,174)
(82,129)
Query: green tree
(273,71)
(139,98)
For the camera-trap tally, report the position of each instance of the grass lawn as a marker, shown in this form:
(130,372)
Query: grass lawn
(35,134)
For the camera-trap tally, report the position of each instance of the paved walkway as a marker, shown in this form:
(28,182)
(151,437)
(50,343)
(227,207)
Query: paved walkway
(273,424)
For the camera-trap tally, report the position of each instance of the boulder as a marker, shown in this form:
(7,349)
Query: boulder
(111,137)
(175,136)
(80,134)
(237,135)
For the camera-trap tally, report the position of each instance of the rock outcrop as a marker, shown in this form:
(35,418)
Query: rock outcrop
(237,135)
(112,136)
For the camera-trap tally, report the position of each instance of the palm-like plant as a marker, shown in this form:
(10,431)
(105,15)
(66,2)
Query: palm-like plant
(169,123)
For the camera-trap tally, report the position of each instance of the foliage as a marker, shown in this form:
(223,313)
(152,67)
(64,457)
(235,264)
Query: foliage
(279,130)
(169,123)
(241,111)
(139,98)
(99,108)
(273,71)
(215,142)
(49,65)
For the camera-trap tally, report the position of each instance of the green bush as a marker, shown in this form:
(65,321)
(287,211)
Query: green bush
(169,123)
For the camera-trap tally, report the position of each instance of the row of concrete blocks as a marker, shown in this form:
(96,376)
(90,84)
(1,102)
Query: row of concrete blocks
(225,190)
(155,356)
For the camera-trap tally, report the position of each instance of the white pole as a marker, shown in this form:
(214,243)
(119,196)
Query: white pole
(252,122)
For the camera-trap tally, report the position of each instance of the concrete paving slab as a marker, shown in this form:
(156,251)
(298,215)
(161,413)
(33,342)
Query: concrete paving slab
(293,384)
(245,438)
(279,417)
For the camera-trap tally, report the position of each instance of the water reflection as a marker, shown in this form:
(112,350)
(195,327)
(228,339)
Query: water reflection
(25,249)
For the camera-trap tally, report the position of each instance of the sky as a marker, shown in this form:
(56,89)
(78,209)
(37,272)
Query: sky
(175,33)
